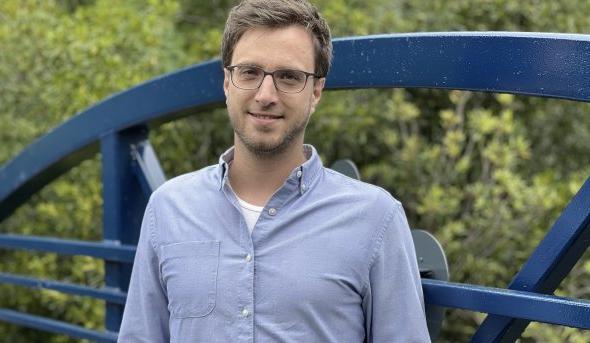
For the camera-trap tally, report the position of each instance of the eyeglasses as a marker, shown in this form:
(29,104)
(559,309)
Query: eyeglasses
(285,80)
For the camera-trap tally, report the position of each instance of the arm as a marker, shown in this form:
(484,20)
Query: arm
(145,318)
(394,303)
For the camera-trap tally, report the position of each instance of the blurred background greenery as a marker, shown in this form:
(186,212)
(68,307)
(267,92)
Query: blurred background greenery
(486,174)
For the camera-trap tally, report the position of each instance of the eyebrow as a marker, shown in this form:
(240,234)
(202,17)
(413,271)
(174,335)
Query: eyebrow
(253,64)
(248,64)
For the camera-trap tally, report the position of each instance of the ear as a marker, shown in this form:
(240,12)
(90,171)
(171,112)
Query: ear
(318,87)
(226,81)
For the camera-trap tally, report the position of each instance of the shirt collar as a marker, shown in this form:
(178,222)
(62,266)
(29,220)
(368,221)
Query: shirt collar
(224,160)
(303,175)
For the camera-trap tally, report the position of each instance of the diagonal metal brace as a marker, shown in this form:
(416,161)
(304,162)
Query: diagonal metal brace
(547,266)
(147,167)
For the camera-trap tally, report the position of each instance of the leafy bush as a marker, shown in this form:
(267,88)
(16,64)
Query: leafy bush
(487,174)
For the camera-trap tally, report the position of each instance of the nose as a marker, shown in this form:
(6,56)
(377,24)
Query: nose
(267,92)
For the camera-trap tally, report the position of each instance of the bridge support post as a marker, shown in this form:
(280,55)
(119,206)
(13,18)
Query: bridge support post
(124,203)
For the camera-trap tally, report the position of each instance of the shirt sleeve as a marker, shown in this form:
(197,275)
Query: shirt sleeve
(146,315)
(394,303)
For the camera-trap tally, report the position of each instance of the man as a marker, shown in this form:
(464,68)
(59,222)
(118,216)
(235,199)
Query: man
(268,245)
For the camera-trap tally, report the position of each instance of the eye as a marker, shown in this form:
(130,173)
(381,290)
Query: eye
(290,76)
(246,72)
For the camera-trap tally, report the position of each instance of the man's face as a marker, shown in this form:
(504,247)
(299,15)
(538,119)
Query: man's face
(265,120)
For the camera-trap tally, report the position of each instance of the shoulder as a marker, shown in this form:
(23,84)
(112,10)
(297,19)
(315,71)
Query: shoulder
(377,218)
(376,197)
(185,185)
(379,210)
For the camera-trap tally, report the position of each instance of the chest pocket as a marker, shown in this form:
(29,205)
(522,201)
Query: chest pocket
(189,271)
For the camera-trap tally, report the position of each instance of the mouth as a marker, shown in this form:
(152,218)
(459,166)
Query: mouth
(265,118)
(265,115)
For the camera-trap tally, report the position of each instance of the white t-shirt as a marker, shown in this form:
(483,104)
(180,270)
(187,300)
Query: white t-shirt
(250,212)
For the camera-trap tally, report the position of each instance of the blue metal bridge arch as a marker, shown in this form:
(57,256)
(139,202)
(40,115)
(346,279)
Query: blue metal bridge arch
(534,64)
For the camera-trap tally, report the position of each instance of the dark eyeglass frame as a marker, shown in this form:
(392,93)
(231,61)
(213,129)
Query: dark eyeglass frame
(272,74)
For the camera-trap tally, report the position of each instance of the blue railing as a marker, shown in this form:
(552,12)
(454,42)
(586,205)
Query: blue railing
(535,64)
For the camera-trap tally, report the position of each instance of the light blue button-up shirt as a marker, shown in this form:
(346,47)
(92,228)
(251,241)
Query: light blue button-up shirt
(330,259)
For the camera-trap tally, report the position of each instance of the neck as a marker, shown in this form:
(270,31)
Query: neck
(255,178)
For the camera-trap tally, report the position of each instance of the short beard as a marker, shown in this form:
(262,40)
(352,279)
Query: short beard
(265,150)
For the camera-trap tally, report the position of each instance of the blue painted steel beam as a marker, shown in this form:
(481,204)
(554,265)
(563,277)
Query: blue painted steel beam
(547,266)
(552,65)
(124,203)
(538,64)
(509,303)
(105,293)
(56,326)
(109,251)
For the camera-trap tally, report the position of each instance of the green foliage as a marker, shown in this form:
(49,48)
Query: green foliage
(56,59)
(487,174)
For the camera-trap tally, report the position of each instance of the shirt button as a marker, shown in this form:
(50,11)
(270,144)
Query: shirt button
(245,312)
(299,173)
(303,188)
(272,211)
(248,258)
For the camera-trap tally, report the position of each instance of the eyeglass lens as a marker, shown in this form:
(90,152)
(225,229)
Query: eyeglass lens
(286,80)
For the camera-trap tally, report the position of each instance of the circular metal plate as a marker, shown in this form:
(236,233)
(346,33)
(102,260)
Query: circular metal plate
(347,167)
(432,263)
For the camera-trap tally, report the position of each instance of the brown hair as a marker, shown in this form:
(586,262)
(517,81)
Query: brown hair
(276,14)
